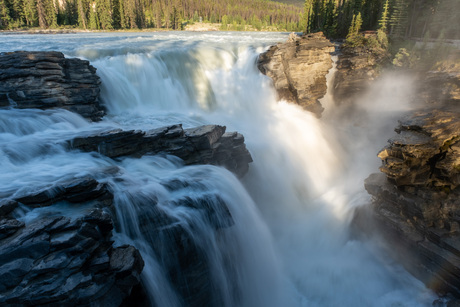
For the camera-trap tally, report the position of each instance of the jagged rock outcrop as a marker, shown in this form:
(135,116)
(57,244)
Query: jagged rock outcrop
(356,69)
(63,251)
(201,145)
(61,260)
(416,198)
(71,260)
(47,80)
(298,68)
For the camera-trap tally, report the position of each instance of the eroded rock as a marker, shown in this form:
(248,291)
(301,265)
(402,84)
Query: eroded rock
(298,68)
(67,261)
(357,68)
(416,198)
(48,80)
(201,145)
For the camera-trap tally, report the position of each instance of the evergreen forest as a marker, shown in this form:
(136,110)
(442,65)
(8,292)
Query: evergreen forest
(141,14)
(400,19)
(336,18)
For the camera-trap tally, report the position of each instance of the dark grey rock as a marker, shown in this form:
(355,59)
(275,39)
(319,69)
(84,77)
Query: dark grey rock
(201,145)
(67,262)
(46,79)
(7,206)
(9,227)
(77,190)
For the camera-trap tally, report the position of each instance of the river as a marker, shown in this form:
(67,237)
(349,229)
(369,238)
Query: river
(291,243)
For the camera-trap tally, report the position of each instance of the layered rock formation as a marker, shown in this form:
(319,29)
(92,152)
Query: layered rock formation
(298,68)
(356,69)
(201,145)
(47,80)
(61,260)
(63,251)
(416,198)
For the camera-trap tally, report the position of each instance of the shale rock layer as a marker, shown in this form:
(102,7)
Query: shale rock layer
(47,80)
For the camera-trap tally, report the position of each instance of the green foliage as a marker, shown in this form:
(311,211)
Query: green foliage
(134,14)
(354,39)
(404,59)
(224,25)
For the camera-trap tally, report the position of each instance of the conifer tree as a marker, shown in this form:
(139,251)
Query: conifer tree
(383,21)
(104,14)
(307,12)
(43,23)
(93,20)
(399,18)
(4,15)
(50,13)
(30,12)
(81,14)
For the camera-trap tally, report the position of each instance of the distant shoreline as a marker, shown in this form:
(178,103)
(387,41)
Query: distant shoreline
(195,27)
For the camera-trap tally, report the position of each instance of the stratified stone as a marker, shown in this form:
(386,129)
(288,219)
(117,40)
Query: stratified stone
(416,198)
(77,190)
(46,79)
(298,68)
(201,145)
(67,262)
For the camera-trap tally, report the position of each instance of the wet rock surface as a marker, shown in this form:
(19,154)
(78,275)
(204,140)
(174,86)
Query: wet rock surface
(65,261)
(298,68)
(66,254)
(57,237)
(48,80)
(201,145)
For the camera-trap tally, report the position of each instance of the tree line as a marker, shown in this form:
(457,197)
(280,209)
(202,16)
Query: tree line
(140,14)
(400,19)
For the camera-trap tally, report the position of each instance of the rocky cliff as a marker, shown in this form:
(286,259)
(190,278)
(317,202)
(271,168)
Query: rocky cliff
(48,80)
(298,68)
(356,69)
(416,197)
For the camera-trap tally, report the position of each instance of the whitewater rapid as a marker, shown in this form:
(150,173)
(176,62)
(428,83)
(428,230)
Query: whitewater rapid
(290,245)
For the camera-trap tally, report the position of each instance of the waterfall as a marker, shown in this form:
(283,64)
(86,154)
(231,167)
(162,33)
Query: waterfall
(278,237)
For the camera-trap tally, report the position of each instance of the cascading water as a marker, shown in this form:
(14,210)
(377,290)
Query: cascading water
(279,238)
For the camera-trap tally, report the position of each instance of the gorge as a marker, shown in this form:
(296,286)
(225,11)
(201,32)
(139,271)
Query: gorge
(128,199)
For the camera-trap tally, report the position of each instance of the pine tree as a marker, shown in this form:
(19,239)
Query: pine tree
(354,39)
(383,21)
(50,13)
(30,12)
(93,22)
(4,15)
(116,14)
(307,12)
(398,19)
(103,12)
(157,8)
(81,14)
(43,23)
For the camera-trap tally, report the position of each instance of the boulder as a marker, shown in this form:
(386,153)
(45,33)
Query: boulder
(298,68)
(46,80)
(208,144)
